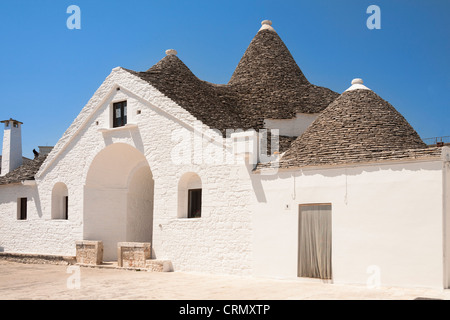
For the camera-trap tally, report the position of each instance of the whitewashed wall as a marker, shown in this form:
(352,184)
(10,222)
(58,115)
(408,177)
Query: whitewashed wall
(389,215)
(446,218)
(218,242)
(291,127)
(38,234)
(385,218)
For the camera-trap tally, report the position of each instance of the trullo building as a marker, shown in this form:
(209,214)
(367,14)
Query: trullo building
(267,175)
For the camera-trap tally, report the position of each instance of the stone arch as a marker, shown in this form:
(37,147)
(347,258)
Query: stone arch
(118,198)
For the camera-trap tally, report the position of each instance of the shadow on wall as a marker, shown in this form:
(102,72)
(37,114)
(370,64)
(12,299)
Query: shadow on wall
(259,179)
(132,134)
(37,201)
(256,182)
(349,170)
(2,249)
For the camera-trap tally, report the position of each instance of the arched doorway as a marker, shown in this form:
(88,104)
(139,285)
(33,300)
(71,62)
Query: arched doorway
(118,198)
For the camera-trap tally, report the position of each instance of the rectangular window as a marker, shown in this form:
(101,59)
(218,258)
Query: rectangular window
(194,203)
(119,114)
(22,209)
(66,207)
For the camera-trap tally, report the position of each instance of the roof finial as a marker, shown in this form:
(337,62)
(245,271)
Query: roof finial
(267,25)
(171,52)
(357,83)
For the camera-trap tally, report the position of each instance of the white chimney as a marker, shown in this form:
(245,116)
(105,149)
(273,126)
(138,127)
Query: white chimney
(43,150)
(12,146)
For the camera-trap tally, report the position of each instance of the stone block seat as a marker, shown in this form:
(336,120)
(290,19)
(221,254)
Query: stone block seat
(137,255)
(89,252)
(130,255)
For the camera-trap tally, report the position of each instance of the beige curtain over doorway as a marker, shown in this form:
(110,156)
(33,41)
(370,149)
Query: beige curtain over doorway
(314,256)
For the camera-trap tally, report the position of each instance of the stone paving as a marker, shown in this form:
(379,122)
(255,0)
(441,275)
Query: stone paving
(48,281)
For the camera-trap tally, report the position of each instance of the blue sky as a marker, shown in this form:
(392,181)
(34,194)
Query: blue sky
(48,72)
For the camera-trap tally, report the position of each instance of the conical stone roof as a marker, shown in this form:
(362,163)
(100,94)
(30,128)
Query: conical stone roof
(212,104)
(357,126)
(270,84)
(267,83)
(267,59)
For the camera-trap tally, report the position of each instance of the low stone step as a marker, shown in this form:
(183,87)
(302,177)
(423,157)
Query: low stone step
(151,265)
(157,265)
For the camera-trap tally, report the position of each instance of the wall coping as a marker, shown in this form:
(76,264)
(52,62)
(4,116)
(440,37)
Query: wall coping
(88,242)
(134,244)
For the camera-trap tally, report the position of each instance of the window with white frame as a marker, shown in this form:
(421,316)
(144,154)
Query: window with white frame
(119,111)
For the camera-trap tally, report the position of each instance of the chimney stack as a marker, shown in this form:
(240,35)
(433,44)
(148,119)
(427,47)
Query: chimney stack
(12,146)
(44,150)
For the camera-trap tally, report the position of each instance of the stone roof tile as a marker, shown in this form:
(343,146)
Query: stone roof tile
(26,171)
(357,126)
(267,83)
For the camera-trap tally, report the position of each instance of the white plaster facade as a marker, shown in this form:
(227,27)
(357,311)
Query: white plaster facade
(387,222)
(390,219)
(218,242)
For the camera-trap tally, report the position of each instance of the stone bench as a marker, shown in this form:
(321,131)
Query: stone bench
(89,252)
(133,254)
(157,265)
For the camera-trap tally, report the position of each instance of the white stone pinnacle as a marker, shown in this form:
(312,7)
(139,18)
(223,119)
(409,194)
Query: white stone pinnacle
(266,25)
(171,52)
(357,83)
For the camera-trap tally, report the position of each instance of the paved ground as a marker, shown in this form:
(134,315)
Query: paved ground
(45,282)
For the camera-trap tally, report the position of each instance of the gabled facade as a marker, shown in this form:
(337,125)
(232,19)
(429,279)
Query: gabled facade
(161,156)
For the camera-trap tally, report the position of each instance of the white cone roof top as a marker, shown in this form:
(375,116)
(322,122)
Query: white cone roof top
(266,25)
(357,84)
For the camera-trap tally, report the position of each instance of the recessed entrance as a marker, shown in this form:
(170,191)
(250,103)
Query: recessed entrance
(118,198)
